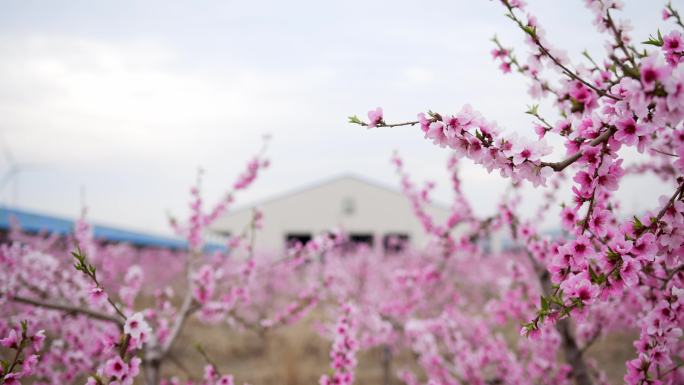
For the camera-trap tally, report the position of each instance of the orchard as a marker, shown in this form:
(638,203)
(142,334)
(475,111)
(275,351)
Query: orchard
(79,311)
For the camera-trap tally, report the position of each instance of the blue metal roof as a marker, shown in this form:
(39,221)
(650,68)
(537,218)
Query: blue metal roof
(34,222)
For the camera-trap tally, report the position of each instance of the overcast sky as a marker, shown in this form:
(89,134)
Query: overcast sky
(129,98)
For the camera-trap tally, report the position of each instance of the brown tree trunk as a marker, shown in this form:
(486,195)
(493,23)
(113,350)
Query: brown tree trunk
(386,365)
(572,352)
(573,355)
(152,368)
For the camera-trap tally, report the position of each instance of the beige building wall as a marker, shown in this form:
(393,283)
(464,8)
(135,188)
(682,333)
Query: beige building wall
(349,203)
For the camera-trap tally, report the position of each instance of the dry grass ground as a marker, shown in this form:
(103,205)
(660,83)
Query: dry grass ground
(291,355)
(296,355)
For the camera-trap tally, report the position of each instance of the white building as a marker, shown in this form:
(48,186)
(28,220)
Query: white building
(367,211)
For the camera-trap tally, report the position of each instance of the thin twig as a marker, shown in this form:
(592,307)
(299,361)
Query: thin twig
(555,60)
(664,152)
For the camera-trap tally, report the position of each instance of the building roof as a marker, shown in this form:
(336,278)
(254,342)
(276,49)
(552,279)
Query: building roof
(36,222)
(324,182)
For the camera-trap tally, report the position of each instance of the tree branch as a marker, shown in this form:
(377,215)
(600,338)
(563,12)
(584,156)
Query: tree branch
(670,202)
(185,310)
(560,166)
(70,309)
(545,52)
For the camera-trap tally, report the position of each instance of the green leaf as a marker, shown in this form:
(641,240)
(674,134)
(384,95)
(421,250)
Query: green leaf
(596,278)
(637,225)
(612,255)
(658,42)
(565,312)
(652,42)
(544,304)
(479,135)
(592,274)
(533,110)
(577,106)
(528,328)
(557,300)
(355,120)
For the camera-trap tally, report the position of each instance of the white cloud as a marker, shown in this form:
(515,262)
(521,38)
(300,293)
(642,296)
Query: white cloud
(75,100)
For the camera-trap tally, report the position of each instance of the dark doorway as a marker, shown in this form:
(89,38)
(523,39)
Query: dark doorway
(394,243)
(361,239)
(293,239)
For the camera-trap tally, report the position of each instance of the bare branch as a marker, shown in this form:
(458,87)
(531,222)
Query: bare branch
(185,310)
(69,309)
